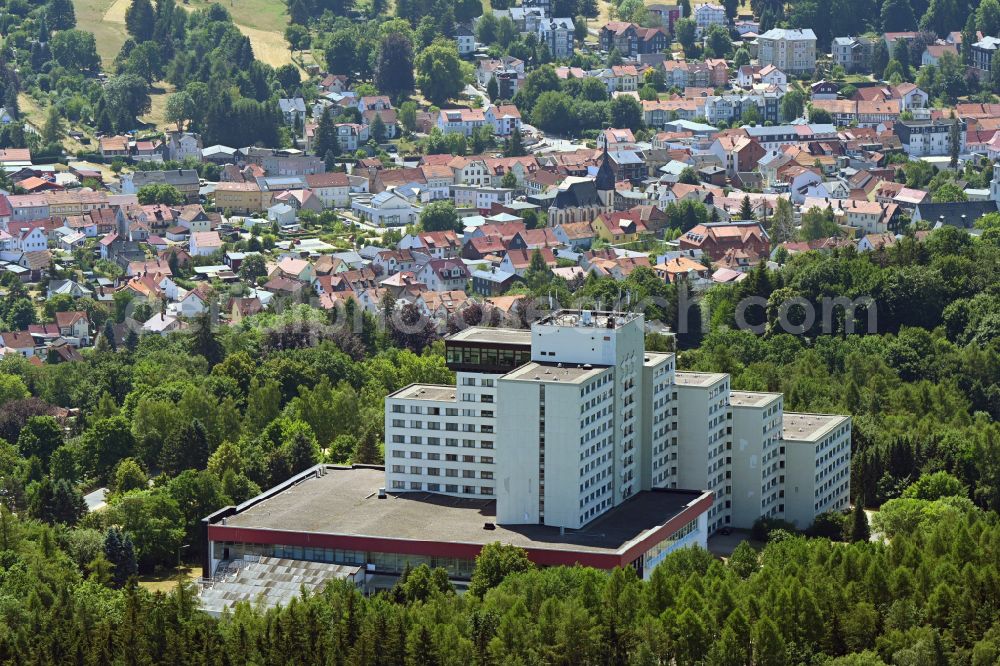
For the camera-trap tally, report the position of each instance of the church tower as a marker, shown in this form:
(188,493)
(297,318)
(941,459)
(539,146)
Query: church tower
(605,181)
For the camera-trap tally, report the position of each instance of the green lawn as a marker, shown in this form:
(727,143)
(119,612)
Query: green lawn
(263,21)
(110,34)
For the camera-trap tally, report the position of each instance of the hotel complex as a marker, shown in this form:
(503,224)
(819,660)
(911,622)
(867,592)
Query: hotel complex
(568,440)
(593,418)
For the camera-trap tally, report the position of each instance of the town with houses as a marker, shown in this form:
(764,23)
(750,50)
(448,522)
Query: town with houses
(722,146)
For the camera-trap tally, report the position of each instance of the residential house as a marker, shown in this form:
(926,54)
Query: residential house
(460,121)
(465,40)
(982,56)
(332,188)
(681,269)
(241,198)
(391,262)
(113,146)
(929,137)
(204,243)
(518,261)
(75,202)
(186,181)
(632,40)
(24,208)
(668,15)
(492,282)
(505,118)
(738,153)
(74,325)
(293,111)
(434,244)
(933,53)
(350,136)
(715,238)
(791,51)
(708,14)
(620,78)
(854,54)
(390,121)
(557,34)
(179,146)
(575,235)
(444,275)
(296,269)
(385,209)
(17,342)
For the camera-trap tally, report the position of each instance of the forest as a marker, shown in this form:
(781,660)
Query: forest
(927,597)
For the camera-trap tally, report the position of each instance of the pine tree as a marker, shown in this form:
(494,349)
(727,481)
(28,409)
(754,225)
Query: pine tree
(514,146)
(204,342)
(493,89)
(140,20)
(367,452)
(746,209)
(768,646)
(109,335)
(120,553)
(859,522)
(326,135)
(378,129)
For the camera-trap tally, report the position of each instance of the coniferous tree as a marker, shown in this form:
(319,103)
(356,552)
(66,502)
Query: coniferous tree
(204,341)
(859,522)
(326,135)
(119,551)
(140,20)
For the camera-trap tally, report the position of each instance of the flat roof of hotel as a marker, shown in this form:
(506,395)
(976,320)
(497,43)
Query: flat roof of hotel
(554,373)
(702,379)
(797,427)
(653,358)
(345,501)
(425,392)
(510,336)
(752,398)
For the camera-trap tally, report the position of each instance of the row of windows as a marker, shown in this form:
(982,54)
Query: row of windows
(436,488)
(595,384)
(475,356)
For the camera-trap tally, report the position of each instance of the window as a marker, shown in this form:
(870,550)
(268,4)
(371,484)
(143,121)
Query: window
(450,472)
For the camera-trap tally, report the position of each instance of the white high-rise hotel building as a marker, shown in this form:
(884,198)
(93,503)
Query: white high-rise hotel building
(565,422)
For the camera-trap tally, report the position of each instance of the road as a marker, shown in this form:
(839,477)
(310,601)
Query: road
(473,91)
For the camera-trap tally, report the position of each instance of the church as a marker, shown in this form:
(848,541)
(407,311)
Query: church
(581,199)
